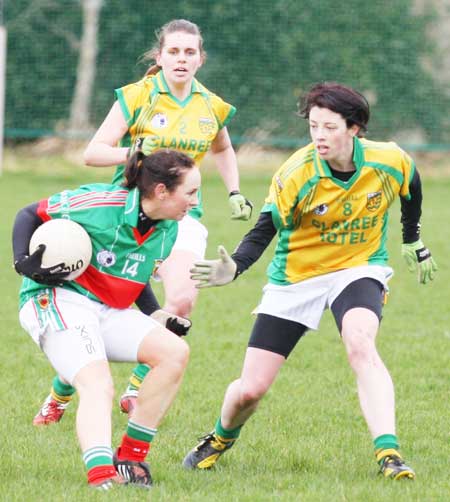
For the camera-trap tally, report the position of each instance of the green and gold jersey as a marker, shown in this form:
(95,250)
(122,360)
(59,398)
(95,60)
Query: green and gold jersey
(325,224)
(189,126)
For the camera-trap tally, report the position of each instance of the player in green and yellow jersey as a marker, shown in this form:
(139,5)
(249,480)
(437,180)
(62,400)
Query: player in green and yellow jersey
(328,204)
(168,108)
(82,324)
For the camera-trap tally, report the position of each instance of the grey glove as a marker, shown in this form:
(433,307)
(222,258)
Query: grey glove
(214,272)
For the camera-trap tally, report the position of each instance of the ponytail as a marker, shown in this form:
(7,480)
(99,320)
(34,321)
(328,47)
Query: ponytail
(134,165)
(164,166)
(152,70)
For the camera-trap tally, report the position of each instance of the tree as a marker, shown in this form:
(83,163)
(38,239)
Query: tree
(87,61)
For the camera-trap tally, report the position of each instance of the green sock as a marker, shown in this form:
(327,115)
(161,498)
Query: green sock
(227,433)
(140,432)
(61,388)
(99,455)
(139,373)
(386,442)
(61,392)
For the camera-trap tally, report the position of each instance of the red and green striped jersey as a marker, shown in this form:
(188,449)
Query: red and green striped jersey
(325,224)
(123,260)
(189,126)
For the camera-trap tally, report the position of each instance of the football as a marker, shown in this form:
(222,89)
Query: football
(66,242)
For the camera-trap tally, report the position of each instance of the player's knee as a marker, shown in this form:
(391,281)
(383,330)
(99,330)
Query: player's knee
(251,393)
(360,346)
(174,359)
(180,354)
(101,387)
(180,304)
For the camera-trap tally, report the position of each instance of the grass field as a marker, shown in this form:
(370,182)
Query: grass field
(308,441)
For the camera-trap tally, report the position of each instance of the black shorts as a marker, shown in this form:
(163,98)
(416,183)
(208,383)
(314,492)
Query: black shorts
(281,335)
(365,293)
(276,334)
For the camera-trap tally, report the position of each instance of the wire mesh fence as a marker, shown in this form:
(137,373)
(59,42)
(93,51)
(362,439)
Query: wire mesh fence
(66,57)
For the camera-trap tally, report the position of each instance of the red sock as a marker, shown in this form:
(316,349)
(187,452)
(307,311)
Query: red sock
(132,449)
(101,473)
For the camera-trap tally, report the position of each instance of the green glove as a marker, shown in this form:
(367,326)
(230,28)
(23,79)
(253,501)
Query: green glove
(417,256)
(144,144)
(214,272)
(241,208)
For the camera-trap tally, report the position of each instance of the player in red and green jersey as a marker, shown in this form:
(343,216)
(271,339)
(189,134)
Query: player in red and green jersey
(168,108)
(328,205)
(80,325)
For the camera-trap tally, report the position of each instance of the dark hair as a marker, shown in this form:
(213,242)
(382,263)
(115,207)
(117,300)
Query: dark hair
(162,166)
(171,27)
(351,104)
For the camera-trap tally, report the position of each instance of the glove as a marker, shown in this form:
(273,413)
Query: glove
(30,266)
(241,208)
(417,256)
(178,325)
(214,272)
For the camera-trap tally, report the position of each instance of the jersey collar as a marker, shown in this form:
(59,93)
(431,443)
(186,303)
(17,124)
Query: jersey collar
(131,213)
(323,169)
(163,88)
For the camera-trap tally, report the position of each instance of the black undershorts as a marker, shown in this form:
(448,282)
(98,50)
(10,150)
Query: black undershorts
(281,335)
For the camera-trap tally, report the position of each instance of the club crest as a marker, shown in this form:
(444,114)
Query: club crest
(206,125)
(159,121)
(43,301)
(106,258)
(156,266)
(373,201)
(321,209)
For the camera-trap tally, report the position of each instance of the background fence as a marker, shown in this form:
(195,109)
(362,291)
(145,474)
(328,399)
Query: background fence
(65,57)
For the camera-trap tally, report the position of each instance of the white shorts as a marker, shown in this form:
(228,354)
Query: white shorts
(73,331)
(305,301)
(192,236)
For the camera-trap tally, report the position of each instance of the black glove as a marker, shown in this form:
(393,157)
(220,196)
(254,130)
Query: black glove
(31,266)
(177,324)
(173,324)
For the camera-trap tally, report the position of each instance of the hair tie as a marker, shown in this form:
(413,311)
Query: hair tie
(139,163)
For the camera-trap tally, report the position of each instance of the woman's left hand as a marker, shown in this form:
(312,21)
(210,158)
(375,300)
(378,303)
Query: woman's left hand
(241,208)
(177,324)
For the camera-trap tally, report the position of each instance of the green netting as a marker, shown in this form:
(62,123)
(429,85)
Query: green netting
(261,55)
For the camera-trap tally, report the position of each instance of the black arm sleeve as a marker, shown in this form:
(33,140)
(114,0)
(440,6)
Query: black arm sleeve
(412,210)
(26,222)
(254,243)
(146,301)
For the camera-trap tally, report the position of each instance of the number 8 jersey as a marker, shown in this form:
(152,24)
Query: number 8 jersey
(325,224)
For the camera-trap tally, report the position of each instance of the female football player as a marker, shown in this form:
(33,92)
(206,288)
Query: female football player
(168,108)
(328,204)
(80,325)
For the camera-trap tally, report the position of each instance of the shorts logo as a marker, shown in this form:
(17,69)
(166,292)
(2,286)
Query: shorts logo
(106,258)
(373,201)
(320,210)
(206,125)
(159,121)
(43,301)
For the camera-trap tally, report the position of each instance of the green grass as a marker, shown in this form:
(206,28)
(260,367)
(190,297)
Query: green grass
(308,441)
